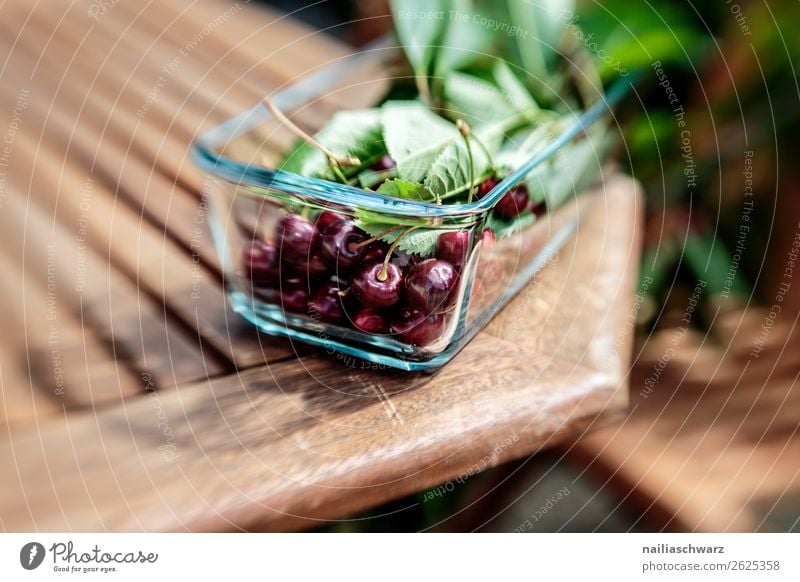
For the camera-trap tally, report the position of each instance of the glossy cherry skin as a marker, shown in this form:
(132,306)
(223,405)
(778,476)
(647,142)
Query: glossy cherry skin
(337,247)
(374,292)
(431,286)
(375,252)
(326,303)
(383,164)
(452,247)
(415,328)
(294,295)
(369,320)
(326,219)
(513,203)
(296,238)
(261,263)
(486,186)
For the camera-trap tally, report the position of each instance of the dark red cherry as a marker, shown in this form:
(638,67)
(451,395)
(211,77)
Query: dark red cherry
(296,238)
(294,295)
(326,219)
(539,208)
(375,252)
(326,303)
(415,328)
(512,204)
(487,186)
(452,247)
(383,164)
(339,246)
(432,286)
(261,263)
(368,320)
(377,289)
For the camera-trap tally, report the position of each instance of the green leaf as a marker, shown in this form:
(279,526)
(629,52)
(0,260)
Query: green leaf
(513,89)
(420,25)
(476,101)
(541,23)
(414,137)
(421,241)
(465,40)
(452,173)
(429,150)
(294,159)
(356,133)
(398,188)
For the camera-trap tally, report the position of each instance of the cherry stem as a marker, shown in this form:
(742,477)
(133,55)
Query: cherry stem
(383,274)
(334,162)
(355,246)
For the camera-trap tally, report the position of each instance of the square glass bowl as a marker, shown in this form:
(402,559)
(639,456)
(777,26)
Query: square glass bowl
(306,299)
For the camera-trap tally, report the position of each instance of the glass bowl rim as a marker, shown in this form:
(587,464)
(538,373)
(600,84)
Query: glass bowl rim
(314,86)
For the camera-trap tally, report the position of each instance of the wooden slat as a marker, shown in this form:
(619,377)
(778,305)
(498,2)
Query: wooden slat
(22,403)
(63,359)
(101,297)
(109,222)
(286,445)
(91,121)
(712,440)
(127,63)
(73,115)
(58,37)
(157,264)
(22,400)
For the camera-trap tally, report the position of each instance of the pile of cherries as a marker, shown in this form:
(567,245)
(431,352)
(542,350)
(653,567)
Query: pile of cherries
(329,269)
(334,272)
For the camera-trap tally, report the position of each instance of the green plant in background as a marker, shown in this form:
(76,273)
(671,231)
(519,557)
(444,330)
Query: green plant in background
(720,92)
(447,35)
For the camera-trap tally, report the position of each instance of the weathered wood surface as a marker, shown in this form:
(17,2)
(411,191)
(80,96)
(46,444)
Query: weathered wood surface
(711,442)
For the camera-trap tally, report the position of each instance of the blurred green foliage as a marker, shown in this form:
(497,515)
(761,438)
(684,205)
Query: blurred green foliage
(731,65)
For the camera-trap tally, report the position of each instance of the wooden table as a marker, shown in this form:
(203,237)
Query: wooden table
(134,399)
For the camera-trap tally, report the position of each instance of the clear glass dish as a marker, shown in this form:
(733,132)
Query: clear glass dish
(318,304)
